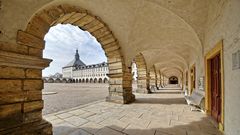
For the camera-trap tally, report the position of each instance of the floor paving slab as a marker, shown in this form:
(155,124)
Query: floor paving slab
(145,117)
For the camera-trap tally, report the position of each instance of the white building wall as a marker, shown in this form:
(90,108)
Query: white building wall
(89,73)
(67,72)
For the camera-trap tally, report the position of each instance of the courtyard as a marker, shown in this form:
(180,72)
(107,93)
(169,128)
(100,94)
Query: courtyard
(161,113)
(60,96)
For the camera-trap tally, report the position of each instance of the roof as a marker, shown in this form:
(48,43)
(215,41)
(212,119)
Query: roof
(75,63)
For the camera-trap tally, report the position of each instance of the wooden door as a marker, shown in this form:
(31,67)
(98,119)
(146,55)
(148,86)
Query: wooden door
(216,88)
(193,76)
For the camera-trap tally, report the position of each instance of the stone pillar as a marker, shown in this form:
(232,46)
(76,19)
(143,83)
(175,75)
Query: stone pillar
(21,87)
(143,75)
(120,82)
(153,78)
(158,78)
(161,80)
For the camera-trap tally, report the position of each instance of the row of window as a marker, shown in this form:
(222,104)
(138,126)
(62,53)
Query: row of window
(89,75)
(94,69)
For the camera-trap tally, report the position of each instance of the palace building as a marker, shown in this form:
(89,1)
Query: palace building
(79,72)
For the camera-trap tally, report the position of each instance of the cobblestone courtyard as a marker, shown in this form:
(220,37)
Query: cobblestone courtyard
(152,114)
(71,95)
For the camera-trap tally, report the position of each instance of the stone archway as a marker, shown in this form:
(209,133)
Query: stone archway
(95,80)
(87,80)
(105,80)
(40,23)
(57,80)
(143,76)
(91,80)
(100,80)
(173,80)
(26,62)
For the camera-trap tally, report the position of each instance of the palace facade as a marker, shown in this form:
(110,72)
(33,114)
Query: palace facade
(79,72)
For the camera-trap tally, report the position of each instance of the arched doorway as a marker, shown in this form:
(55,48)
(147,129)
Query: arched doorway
(173,80)
(100,80)
(64,80)
(95,80)
(33,38)
(87,81)
(105,80)
(50,80)
(52,15)
(91,80)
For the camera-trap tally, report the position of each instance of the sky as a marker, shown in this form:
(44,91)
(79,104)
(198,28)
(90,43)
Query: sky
(61,43)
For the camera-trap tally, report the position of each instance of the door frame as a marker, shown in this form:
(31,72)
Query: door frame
(193,82)
(218,49)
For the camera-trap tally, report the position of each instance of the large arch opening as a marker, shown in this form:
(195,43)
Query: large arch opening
(173,80)
(40,24)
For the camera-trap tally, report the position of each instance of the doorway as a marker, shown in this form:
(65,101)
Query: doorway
(193,80)
(173,80)
(214,72)
(216,87)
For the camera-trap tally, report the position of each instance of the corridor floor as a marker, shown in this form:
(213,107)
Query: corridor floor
(152,114)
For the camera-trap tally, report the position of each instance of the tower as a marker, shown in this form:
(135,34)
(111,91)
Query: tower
(77,55)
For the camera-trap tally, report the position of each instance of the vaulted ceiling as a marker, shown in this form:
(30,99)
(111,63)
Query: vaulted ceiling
(169,33)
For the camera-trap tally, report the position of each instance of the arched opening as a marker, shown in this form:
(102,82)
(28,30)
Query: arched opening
(173,80)
(105,80)
(50,80)
(80,80)
(83,80)
(58,80)
(64,80)
(142,74)
(76,80)
(40,23)
(100,80)
(87,80)
(91,80)
(95,80)
(52,15)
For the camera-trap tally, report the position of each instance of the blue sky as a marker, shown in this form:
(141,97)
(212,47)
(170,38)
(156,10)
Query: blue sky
(61,44)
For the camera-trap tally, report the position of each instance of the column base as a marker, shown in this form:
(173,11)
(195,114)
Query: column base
(42,127)
(121,99)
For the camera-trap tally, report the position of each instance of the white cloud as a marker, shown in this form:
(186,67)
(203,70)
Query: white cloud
(62,42)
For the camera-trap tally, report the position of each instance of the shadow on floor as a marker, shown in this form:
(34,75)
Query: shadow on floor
(166,92)
(167,101)
(201,127)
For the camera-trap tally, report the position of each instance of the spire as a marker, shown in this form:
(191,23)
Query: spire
(77,55)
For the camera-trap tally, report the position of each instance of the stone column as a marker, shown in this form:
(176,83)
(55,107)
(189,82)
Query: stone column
(120,82)
(158,78)
(153,78)
(143,75)
(21,87)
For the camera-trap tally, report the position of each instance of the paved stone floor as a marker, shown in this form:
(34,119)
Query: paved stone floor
(69,95)
(152,114)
